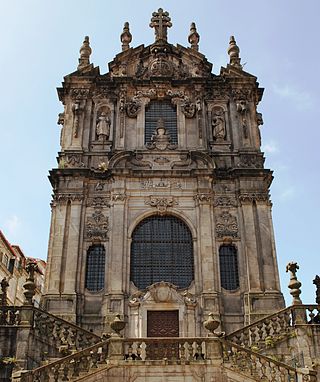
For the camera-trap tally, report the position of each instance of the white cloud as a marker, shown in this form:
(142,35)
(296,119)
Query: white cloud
(12,225)
(270,147)
(302,100)
(287,194)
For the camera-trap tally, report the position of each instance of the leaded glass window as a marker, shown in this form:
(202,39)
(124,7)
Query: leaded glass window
(229,272)
(95,268)
(164,110)
(161,250)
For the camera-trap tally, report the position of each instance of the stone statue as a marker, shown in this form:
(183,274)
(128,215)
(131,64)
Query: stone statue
(4,286)
(218,125)
(103,127)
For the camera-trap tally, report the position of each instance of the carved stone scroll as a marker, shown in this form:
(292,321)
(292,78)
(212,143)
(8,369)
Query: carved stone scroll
(226,225)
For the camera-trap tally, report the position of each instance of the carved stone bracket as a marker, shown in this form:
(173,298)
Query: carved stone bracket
(225,201)
(203,198)
(97,226)
(188,108)
(118,197)
(226,225)
(250,197)
(161,203)
(98,202)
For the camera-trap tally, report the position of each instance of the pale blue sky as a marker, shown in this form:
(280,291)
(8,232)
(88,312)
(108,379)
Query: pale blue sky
(278,40)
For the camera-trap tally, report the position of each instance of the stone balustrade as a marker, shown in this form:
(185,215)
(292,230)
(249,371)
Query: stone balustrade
(260,367)
(275,327)
(10,315)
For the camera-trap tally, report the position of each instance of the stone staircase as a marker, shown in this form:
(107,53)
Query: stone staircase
(240,356)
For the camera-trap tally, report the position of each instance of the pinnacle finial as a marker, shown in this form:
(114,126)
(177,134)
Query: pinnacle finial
(85,52)
(160,21)
(316,282)
(126,37)
(233,52)
(294,283)
(194,37)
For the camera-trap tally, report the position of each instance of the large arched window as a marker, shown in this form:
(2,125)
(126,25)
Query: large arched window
(161,250)
(229,272)
(95,268)
(164,110)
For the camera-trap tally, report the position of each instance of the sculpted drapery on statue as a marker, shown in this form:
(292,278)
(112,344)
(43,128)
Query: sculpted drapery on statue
(103,126)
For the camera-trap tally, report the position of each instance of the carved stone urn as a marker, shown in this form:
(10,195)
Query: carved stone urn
(117,324)
(211,323)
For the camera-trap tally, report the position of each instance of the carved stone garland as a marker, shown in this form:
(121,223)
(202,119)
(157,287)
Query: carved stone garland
(226,225)
(97,226)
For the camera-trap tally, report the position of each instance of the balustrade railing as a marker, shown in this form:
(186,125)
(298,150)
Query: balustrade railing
(255,365)
(70,367)
(275,327)
(10,315)
(63,335)
(173,349)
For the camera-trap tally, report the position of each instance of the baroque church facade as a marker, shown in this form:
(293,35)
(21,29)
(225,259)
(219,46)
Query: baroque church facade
(161,200)
(161,262)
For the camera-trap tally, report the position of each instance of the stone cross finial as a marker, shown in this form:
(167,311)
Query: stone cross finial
(233,52)
(160,21)
(294,284)
(85,52)
(316,282)
(4,286)
(194,37)
(126,37)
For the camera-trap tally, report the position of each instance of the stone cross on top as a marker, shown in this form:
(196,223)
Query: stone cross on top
(160,21)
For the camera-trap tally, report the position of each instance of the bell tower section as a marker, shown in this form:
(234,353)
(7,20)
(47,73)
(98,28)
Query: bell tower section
(160,196)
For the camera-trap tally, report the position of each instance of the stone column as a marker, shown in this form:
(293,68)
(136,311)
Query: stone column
(252,254)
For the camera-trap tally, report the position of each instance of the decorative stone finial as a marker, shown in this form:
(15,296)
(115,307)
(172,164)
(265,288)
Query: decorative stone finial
(233,52)
(316,282)
(85,52)
(126,37)
(160,21)
(211,323)
(294,284)
(117,324)
(30,285)
(194,37)
(4,286)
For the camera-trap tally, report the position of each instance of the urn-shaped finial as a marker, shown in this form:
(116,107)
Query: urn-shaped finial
(194,37)
(211,323)
(233,52)
(117,324)
(294,283)
(126,37)
(85,52)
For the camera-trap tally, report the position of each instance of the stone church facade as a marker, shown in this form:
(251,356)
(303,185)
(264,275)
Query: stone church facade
(161,262)
(160,146)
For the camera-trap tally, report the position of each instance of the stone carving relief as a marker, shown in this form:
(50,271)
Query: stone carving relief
(133,107)
(161,160)
(161,203)
(97,226)
(218,124)
(225,201)
(185,161)
(162,292)
(79,93)
(250,197)
(203,198)
(119,197)
(103,125)
(188,108)
(64,198)
(161,67)
(99,186)
(98,202)
(226,225)
(77,111)
(251,161)
(71,161)
(138,161)
(162,184)
(161,140)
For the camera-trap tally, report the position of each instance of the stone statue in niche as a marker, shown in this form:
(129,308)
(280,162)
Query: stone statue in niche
(242,109)
(161,139)
(218,124)
(103,126)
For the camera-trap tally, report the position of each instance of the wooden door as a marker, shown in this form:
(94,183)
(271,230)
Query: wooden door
(163,323)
